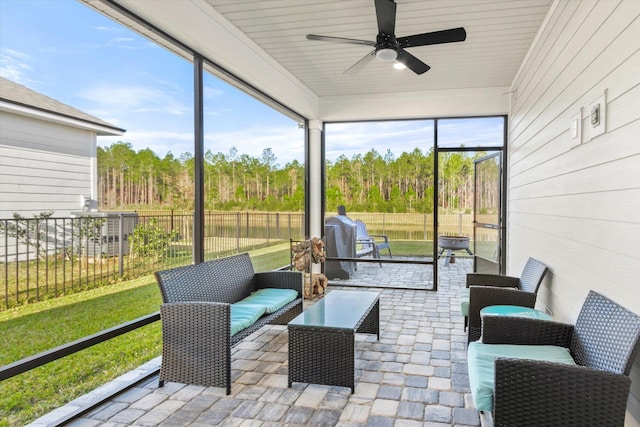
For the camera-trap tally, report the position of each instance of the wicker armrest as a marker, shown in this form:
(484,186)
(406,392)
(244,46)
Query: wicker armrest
(524,331)
(484,296)
(492,280)
(280,279)
(189,345)
(381,236)
(537,393)
(197,318)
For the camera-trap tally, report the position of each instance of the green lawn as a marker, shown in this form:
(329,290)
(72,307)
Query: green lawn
(410,248)
(30,329)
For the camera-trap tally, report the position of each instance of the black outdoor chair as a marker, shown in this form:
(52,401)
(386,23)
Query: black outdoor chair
(586,384)
(494,289)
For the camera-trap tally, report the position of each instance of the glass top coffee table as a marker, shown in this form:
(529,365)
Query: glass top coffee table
(322,338)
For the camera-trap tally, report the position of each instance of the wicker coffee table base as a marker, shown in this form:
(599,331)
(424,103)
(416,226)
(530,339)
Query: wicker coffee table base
(321,355)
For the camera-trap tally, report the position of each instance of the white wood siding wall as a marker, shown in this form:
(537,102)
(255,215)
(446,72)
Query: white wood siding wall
(577,207)
(44,166)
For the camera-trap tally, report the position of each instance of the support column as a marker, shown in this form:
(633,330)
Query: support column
(315,179)
(315,165)
(198,161)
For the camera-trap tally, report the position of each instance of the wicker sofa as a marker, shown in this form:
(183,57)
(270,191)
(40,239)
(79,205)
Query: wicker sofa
(204,313)
(531,372)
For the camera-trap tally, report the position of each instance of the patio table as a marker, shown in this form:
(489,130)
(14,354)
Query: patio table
(322,338)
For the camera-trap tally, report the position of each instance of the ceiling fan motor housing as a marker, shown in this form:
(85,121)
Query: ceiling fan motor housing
(386,48)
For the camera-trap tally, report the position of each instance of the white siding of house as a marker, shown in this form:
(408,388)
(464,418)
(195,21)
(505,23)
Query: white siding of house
(577,207)
(44,166)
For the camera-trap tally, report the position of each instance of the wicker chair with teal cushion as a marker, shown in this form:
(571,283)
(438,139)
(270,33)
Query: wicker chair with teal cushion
(495,289)
(531,372)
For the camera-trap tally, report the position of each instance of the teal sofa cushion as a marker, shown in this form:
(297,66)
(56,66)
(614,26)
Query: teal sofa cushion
(272,299)
(481,358)
(463,299)
(244,315)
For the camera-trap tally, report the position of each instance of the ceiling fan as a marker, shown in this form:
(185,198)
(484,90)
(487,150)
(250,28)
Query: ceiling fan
(388,48)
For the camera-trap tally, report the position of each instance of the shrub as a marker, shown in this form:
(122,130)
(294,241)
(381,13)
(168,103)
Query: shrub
(150,241)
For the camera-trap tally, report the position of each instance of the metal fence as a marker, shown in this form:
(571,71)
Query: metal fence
(415,226)
(50,257)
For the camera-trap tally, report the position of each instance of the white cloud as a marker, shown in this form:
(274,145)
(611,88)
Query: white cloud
(15,54)
(132,98)
(286,143)
(212,92)
(349,139)
(14,66)
(123,39)
(127,43)
(104,28)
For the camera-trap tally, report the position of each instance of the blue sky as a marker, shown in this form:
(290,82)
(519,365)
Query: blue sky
(68,52)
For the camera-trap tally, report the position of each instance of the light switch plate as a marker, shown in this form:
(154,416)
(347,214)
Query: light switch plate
(597,122)
(575,129)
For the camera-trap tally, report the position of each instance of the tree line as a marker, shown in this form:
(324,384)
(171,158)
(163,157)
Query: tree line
(370,182)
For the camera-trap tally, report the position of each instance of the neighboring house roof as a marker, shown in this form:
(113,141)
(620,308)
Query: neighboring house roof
(21,96)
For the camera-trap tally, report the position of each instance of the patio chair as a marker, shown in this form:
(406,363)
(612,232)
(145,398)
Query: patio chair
(369,243)
(530,372)
(494,289)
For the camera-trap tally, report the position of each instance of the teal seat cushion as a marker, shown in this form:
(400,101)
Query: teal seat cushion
(244,315)
(272,299)
(481,358)
(463,299)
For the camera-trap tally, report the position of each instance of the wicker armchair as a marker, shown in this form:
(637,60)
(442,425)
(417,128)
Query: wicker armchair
(603,343)
(483,290)
(196,316)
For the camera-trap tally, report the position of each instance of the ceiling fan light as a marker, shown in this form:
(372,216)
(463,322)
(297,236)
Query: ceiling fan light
(399,66)
(386,54)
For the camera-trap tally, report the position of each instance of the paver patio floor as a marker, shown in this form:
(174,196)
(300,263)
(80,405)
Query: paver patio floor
(415,375)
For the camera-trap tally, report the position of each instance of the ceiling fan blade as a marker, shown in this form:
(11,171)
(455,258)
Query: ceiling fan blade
(361,63)
(411,62)
(339,40)
(386,15)
(436,37)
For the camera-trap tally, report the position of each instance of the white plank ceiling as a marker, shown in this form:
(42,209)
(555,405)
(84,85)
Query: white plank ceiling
(499,33)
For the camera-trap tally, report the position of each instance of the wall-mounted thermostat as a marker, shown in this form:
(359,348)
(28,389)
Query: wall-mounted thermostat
(597,116)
